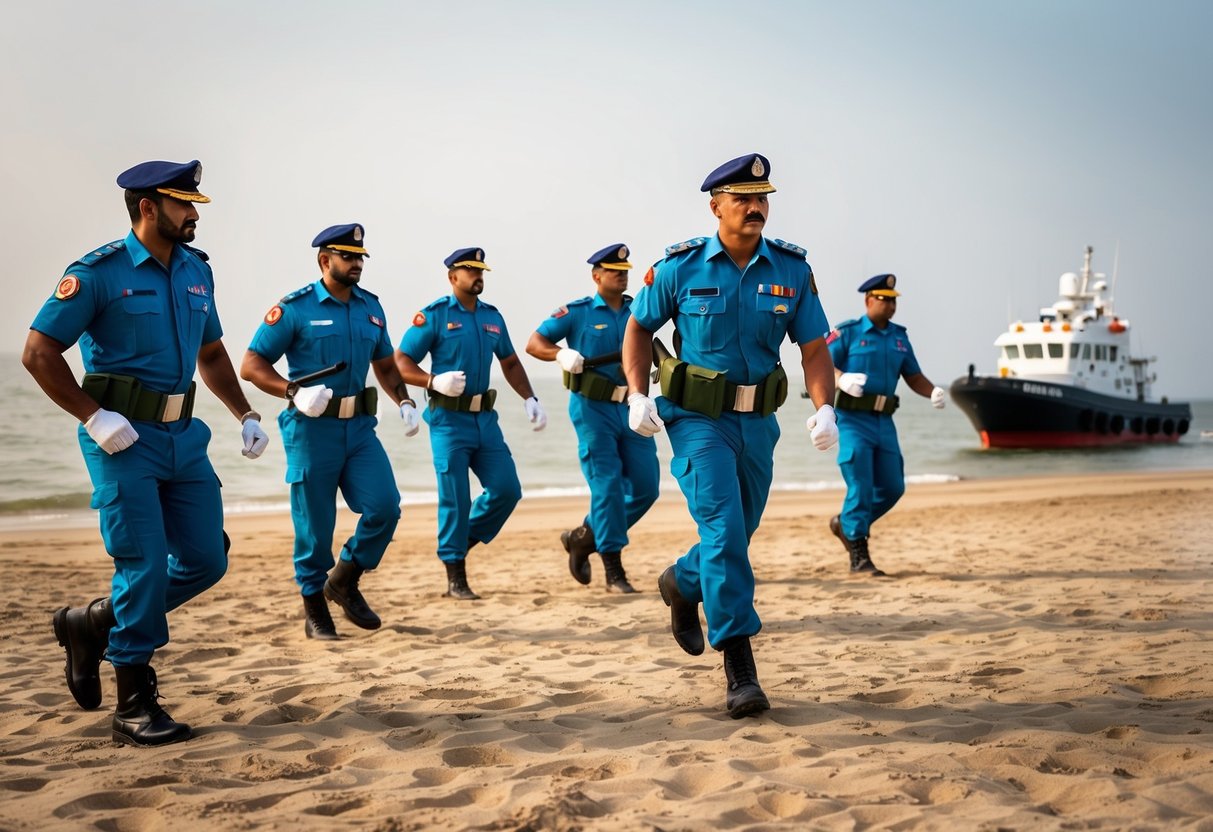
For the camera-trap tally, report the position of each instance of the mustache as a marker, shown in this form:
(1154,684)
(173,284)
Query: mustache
(755,217)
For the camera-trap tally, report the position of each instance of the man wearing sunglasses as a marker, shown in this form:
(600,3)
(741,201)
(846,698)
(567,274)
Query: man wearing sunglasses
(328,427)
(870,354)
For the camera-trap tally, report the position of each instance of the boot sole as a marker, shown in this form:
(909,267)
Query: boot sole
(125,739)
(749,708)
(584,578)
(364,623)
(59,622)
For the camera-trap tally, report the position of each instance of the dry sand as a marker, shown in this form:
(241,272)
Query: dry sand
(1040,661)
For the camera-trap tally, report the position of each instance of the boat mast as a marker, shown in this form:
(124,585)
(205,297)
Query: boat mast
(1086,269)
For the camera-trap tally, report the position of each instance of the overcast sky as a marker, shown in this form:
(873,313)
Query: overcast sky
(972,148)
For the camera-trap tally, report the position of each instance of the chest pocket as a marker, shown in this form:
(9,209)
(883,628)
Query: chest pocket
(142,319)
(328,345)
(702,320)
(868,358)
(774,315)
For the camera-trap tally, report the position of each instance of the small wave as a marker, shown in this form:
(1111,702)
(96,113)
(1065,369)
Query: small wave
(52,503)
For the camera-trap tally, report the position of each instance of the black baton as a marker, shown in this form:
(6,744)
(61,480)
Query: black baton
(599,360)
(304,380)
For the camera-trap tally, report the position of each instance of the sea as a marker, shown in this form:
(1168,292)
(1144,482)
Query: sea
(45,485)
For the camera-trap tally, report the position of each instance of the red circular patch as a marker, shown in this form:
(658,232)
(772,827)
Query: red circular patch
(67,287)
(274,315)
(648,277)
(419,319)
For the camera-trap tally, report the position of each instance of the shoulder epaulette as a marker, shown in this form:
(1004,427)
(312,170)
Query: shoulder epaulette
(298,293)
(488,306)
(579,301)
(197,252)
(687,245)
(851,322)
(102,252)
(790,248)
(436,303)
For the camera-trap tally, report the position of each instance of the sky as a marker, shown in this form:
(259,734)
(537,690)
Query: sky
(973,149)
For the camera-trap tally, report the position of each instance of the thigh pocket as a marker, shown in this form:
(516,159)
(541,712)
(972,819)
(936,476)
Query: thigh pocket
(116,530)
(295,474)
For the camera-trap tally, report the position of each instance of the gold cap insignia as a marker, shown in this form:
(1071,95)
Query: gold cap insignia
(892,281)
(757,168)
(198,173)
(623,253)
(357,233)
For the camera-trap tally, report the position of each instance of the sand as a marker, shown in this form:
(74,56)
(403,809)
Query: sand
(1040,660)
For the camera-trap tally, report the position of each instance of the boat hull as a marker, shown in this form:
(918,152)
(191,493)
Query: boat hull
(1017,413)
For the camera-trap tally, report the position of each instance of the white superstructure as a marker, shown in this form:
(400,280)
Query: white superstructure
(1078,341)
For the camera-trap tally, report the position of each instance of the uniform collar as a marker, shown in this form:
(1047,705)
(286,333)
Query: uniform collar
(714,246)
(323,293)
(598,302)
(140,254)
(452,301)
(869,326)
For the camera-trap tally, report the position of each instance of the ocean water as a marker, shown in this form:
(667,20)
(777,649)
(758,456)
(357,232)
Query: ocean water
(45,484)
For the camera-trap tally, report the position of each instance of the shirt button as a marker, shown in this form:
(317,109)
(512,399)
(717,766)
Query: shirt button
(703,309)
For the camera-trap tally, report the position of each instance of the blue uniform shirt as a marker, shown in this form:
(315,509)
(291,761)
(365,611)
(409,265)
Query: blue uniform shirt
(731,320)
(134,317)
(315,330)
(591,327)
(457,339)
(859,346)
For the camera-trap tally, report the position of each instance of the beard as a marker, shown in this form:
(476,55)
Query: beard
(349,278)
(183,233)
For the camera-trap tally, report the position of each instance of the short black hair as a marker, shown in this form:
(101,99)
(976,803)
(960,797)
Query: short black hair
(134,197)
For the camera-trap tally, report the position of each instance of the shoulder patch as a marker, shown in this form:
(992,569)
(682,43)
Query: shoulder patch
(649,275)
(812,281)
(559,312)
(102,252)
(68,286)
(419,319)
(197,252)
(790,248)
(832,336)
(686,245)
(298,293)
(274,315)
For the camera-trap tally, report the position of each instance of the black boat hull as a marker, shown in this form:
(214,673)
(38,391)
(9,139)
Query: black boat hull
(1016,413)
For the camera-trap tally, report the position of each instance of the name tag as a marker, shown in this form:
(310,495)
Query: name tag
(321,323)
(493,328)
(705,292)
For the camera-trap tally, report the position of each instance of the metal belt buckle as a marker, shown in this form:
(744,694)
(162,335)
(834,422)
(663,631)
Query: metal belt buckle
(474,406)
(173,405)
(346,409)
(620,393)
(879,406)
(743,401)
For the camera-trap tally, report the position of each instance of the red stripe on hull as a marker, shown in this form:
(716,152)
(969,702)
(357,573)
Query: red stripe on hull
(1066,439)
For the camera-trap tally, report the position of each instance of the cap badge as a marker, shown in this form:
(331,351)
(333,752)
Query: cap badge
(198,173)
(623,252)
(892,281)
(480,255)
(757,168)
(357,233)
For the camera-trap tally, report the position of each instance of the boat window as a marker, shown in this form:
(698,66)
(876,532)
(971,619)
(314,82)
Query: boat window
(1101,352)
(1012,350)
(1033,351)
(1086,352)
(1057,350)
(1112,350)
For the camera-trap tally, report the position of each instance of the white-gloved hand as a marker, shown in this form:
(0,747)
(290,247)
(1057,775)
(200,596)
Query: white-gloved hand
(570,361)
(450,383)
(852,383)
(823,429)
(111,431)
(534,412)
(311,401)
(642,415)
(937,401)
(255,439)
(412,419)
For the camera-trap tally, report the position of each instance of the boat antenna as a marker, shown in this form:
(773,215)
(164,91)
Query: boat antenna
(1086,268)
(1115,267)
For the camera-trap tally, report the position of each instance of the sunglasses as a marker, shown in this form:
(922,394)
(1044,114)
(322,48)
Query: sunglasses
(885,298)
(347,256)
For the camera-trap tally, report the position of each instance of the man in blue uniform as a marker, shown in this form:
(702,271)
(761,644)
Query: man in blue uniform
(619,464)
(733,297)
(328,427)
(143,310)
(461,334)
(870,354)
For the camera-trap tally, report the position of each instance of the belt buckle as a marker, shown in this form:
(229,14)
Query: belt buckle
(474,404)
(620,394)
(743,400)
(173,405)
(880,402)
(346,409)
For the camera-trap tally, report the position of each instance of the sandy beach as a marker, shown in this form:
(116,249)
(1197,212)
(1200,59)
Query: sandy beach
(1040,659)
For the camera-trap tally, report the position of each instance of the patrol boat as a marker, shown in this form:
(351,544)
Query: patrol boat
(1069,380)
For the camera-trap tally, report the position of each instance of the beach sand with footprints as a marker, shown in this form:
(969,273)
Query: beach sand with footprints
(1041,660)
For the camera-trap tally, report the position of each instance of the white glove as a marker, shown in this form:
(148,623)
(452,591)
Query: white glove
(852,383)
(642,415)
(412,419)
(570,361)
(450,383)
(823,430)
(937,401)
(534,412)
(254,438)
(111,431)
(311,401)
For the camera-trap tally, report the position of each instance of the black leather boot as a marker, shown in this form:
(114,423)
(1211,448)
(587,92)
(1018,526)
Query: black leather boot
(836,529)
(318,624)
(684,616)
(580,544)
(616,578)
(743,695)
(457,582)
(84,632)
(861,563)
(342,588)
(139,719)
